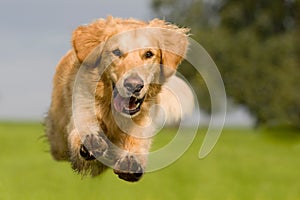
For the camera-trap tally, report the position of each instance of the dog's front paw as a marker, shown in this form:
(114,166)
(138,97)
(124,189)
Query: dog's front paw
(93,146)
(128,168)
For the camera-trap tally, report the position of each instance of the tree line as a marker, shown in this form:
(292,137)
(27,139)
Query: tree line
(256,46)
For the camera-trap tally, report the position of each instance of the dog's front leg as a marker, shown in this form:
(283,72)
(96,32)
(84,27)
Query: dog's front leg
(133,158)
(86,147)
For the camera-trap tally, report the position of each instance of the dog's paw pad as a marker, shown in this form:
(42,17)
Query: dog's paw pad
(84,153)
(128,168)
(93,146)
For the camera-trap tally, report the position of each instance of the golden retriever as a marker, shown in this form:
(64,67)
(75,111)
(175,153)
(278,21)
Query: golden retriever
(126,64)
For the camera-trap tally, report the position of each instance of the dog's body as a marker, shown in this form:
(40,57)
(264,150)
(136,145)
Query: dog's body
(128,62)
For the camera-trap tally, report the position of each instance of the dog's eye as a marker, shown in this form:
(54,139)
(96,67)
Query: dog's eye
(149,54)
(117,52)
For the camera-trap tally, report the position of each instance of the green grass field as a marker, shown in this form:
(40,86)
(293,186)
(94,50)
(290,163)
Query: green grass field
(245,164)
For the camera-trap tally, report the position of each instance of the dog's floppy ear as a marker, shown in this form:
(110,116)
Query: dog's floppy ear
(86,38)
(173,44)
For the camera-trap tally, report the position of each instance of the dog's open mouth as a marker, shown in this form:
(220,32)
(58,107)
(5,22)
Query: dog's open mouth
(127,105)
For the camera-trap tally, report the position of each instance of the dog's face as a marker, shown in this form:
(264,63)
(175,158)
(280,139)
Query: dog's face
(132,68)
(134,58)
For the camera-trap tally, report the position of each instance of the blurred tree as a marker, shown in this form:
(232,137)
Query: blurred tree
(255,44)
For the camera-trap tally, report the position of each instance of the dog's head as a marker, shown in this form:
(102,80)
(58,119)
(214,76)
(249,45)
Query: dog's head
(134,57)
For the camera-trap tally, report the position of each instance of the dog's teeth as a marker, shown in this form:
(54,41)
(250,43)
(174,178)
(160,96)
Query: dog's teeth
(133,108)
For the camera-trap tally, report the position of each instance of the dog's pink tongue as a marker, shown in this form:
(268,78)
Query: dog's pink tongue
(120,102)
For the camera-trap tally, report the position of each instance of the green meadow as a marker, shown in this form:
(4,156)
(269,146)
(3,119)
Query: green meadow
(245,164)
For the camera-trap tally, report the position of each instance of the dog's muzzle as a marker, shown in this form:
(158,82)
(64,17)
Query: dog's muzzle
(130,105)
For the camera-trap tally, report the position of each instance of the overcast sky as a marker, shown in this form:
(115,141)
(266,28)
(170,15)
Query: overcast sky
(34,35)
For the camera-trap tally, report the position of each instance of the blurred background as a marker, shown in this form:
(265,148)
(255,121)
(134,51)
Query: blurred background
(254,43)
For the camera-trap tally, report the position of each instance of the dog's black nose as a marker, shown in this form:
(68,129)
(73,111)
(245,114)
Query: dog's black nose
(134,84)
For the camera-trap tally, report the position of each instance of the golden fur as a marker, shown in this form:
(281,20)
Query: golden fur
(93,45)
